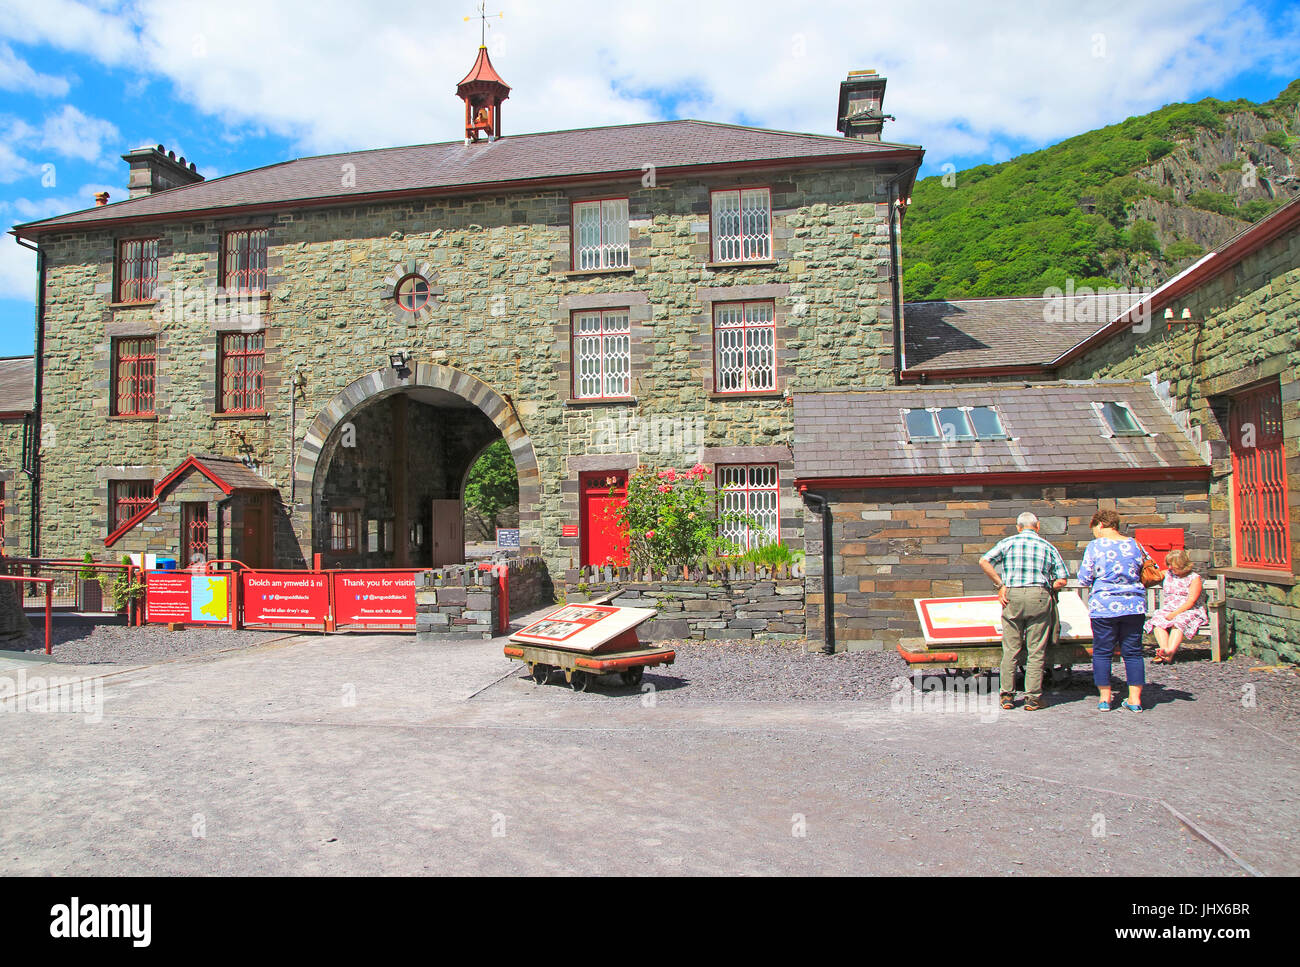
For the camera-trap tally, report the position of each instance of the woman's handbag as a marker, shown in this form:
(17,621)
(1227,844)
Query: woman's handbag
(1151,573)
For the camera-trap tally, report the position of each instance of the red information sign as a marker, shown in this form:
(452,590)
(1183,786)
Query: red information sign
(295,597)
(569,530)
(168,596)
(374,597)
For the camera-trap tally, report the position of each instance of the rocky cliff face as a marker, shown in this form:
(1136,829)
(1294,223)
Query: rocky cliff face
(1250,159)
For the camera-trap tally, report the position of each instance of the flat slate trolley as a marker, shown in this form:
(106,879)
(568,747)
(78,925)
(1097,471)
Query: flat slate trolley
(585,641)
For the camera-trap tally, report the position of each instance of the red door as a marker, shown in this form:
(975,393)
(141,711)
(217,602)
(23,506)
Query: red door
(602,541)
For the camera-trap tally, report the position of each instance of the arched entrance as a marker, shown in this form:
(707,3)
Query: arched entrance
(386,459)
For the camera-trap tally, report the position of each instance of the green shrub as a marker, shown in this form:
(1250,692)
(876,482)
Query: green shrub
(773,555)
(1183,248)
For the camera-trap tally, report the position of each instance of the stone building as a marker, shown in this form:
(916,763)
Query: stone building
(353,329)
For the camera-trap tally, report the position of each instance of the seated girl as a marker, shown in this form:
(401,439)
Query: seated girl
(1182,612)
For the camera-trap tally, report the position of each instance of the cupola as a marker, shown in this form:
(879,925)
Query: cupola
(482,90)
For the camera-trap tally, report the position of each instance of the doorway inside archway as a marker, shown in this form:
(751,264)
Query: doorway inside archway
(391,478)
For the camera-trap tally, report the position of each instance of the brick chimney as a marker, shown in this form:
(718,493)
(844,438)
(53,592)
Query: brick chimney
(862,100)
(155,169)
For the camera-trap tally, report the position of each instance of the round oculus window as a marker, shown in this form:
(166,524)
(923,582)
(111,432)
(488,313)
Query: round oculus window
(413,293)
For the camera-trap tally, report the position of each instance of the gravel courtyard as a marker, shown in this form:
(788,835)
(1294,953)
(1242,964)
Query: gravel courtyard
(268,753)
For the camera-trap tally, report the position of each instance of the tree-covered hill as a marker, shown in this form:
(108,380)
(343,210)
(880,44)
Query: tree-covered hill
(1129,204)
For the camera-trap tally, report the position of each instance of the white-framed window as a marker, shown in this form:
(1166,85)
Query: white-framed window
(1119,419)
(600,234)
(753,490)
(744,347)
(954,424)
(742,225)
(602,354)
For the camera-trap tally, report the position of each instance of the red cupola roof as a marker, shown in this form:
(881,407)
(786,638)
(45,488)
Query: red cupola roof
(482,73)
(482,90)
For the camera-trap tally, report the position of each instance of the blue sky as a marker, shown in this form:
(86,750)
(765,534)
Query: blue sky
(252,82)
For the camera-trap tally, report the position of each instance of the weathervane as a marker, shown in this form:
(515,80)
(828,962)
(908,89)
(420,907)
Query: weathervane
(483,16)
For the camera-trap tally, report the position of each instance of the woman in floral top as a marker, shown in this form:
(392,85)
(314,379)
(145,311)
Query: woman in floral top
(1182,612)
(1112,568)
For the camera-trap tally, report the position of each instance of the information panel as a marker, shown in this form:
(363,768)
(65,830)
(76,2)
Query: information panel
(188,598)
(976,620)
(582,627)
(374,597)
(290,597)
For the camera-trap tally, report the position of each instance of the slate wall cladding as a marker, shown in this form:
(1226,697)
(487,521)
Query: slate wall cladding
(895,545)
(504,265)
(1251,333)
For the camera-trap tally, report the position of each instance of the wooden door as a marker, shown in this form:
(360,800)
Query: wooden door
(254,540)
(448,533)
(600,538)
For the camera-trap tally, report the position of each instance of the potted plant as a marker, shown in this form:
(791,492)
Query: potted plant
(90,590)
(121,587)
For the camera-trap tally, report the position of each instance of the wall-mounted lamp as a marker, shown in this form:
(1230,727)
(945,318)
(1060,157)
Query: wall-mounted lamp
(398,360)
(1184,320)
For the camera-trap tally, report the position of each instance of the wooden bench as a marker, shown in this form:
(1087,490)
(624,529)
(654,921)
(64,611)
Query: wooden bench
(1214,594)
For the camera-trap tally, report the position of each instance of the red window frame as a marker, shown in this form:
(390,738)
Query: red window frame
(243,268)
(345,525)
(1261,513)
(2,518)
(241,372)
(137,270)
(125,498)
(603,245)
(603,335)
(745,328)
(740,200)
(135,369)
(194,531)
(720,471)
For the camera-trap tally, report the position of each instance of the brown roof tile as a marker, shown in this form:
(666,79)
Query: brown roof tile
(17,383)
(620,150)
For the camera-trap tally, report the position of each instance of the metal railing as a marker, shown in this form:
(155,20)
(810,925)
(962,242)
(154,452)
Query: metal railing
(49,609)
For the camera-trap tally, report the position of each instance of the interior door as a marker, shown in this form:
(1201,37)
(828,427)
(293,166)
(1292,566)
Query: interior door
(601,540)
(448,533)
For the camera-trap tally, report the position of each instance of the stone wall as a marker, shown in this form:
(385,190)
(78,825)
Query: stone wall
(502,266)
(895,545)
(454,602)
(17,490)
(1250,333)
(736,604)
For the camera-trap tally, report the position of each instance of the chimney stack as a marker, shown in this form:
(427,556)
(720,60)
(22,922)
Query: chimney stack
(101,199)
(155,169)
(862,100)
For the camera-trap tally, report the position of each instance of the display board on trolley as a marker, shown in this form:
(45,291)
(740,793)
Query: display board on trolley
(582,627)
(977,620)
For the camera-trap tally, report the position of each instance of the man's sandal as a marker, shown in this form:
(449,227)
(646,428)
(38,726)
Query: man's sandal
(1008,701)
(1035,705)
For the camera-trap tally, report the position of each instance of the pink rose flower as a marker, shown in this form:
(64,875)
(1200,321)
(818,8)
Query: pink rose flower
(665,489)
(649,535)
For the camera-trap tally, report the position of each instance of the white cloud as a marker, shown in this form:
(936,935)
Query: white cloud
(17,75)
(347,75)
(12,163)
(72,134)
(47,206)
(17,270)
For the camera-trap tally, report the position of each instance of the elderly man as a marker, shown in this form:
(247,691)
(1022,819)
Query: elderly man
(1032,570)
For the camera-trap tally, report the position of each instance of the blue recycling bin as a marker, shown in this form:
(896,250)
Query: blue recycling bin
(166,563)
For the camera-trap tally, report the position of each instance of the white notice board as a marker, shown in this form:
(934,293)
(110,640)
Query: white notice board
(582,627)
(976,620)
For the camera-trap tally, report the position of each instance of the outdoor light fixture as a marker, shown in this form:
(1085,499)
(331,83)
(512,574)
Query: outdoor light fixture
(398,360)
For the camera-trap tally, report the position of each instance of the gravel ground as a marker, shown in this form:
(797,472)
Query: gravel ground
(85,641)
(749,671)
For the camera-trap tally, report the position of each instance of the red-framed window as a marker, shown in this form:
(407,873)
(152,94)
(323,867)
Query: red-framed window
(137,270)
(243,260)
(600,234)
(242,364)
(125,499)
(1259,493)
(135,364)
(413,292)
(744,347)
(194,532)
(742,225)
(753,490)
(2,518)
(602,354)
(345,530)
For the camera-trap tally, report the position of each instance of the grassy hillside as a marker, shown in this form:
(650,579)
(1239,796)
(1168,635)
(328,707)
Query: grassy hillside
(1129,204)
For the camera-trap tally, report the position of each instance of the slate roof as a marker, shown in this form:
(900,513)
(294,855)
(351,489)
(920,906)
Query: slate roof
(945,335)
(1052,427)
(586,152)
(17,383)
(233,472)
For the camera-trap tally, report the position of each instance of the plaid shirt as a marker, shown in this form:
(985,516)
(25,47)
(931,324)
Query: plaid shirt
(1028,561)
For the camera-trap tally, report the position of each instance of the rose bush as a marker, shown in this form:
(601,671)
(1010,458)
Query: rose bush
(671,519)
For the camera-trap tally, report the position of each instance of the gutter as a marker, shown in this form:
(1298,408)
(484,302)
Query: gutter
(32,465)
(1195,472)
(822,505)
